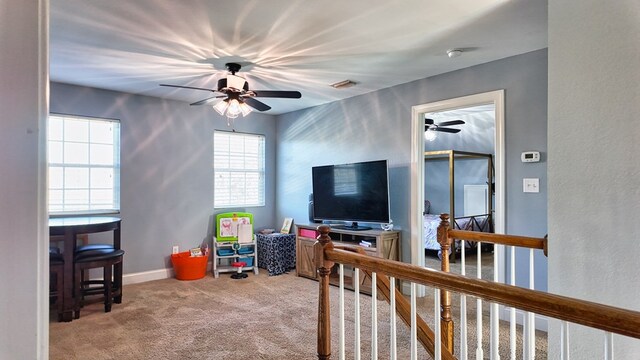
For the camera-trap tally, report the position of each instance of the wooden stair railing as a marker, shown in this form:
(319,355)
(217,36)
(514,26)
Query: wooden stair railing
(594,315)
(447,235)
(511,240)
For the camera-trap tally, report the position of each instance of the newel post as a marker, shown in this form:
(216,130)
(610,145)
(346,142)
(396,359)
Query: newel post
(323,267)
(446,322)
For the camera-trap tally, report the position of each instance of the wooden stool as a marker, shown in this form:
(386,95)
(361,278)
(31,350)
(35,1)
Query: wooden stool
(88,247)
(239,274)
(56,268)
(104,258)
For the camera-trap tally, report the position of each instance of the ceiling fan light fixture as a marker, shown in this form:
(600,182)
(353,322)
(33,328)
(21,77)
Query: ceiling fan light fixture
(234,109)
(221,107)
(245,109)
(430,135)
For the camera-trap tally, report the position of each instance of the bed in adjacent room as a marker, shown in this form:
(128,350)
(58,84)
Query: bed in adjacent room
(477,194)
(471,223)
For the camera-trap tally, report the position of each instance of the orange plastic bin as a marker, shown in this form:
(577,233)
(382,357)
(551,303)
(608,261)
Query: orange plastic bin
(189,267)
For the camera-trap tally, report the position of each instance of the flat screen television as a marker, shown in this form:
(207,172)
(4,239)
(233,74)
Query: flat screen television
(357,192)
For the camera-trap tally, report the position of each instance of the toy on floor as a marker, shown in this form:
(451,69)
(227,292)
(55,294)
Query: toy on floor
(238,264)
(239,274)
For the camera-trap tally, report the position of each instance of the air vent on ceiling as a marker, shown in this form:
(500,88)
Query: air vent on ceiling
(343,84)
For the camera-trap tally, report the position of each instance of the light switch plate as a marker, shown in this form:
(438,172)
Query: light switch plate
(531,185)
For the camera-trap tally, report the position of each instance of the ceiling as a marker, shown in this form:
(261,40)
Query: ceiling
(304,45)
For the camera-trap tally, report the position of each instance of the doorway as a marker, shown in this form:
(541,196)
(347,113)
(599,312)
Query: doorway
(447,107)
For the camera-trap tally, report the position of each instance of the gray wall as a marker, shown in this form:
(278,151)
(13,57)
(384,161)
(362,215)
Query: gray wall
(166,169)
(377,126)
(594,199)
(23,257)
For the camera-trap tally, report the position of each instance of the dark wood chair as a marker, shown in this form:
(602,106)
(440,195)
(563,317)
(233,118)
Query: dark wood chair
(93,257)
(56,282)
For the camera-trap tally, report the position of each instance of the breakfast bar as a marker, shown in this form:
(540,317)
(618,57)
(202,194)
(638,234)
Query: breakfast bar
(68,228)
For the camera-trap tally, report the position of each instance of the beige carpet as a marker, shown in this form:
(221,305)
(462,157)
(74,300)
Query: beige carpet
(260,317)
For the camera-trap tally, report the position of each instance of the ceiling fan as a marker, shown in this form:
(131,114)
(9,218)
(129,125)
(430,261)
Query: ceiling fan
(237,98)
(430,128)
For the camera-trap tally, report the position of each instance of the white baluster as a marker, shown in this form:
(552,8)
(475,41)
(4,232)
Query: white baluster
(525,337)
(356,293)
(342,348)
(495,326)
(608,346)
(512,311)
(479,351)
(414,332)
(494,334)
(479,262)
(532,320)
(464,352)
(463,262)
(564,341)
(374,317)
(437,333)
(393,351)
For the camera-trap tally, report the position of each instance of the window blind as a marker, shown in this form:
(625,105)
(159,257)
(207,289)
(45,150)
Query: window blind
(238,162)
(84,165)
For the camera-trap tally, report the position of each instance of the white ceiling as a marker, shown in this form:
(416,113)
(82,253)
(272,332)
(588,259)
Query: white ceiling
(304,45)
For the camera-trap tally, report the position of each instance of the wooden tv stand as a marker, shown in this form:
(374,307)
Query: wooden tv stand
(384,244)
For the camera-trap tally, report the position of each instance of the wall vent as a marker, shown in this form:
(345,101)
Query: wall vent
(343,84)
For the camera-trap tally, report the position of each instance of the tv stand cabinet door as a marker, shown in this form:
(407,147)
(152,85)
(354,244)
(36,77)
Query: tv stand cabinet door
(304,260)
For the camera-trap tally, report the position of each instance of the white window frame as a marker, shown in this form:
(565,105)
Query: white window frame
(239,169)
(88,208)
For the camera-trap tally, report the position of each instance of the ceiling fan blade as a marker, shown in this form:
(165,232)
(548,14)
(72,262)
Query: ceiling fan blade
(452,122)
(207,100)
(447,130)
(428,121)
(278,94)
(187,87)
(258,105)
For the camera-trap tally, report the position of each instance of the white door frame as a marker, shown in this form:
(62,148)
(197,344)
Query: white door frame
(417,169)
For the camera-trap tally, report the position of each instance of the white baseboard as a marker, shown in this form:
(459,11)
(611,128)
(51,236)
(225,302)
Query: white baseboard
(140,277)
(136,278)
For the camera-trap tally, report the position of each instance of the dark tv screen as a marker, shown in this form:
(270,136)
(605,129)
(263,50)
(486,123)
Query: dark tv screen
(351,192)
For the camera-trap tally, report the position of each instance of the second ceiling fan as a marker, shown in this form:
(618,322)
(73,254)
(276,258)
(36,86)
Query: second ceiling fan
(430,128)
(235,94)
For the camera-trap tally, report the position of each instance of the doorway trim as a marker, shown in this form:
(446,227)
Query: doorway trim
(417,169)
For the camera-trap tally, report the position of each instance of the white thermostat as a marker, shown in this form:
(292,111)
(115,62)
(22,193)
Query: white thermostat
(530,156)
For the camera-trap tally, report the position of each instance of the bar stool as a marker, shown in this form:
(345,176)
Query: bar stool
(97,257)
(56,271)
(88,247)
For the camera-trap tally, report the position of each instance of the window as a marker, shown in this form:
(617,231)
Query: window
(84,165)
(238,166)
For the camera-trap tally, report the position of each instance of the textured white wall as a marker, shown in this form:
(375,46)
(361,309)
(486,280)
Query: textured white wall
(21,253)
(593,139)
